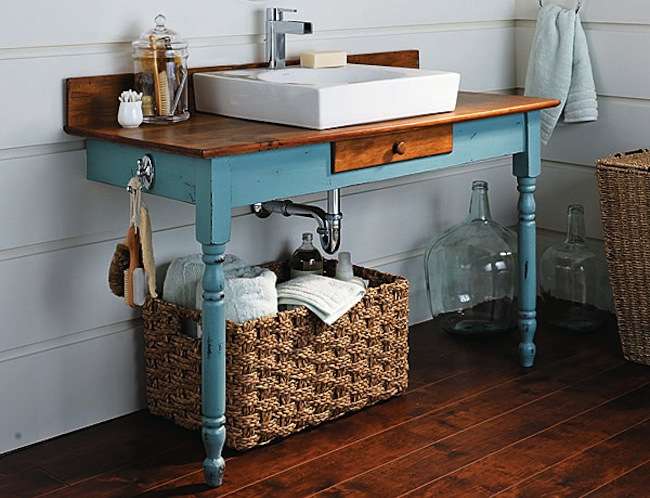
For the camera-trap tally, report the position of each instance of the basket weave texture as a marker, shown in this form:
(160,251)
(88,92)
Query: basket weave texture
(286,372)
(624,185)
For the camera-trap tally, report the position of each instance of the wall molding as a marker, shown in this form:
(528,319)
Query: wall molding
(595,25)
(70,243)
(644,102)
(582,167)
(124,47)
(24,151)
(103,237)
(70,339)
(135,325)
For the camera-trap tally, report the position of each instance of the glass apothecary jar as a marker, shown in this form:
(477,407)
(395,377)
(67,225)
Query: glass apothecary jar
(570,274)
(471,273)
(161,74)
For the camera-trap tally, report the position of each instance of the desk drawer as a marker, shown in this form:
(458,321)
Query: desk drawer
(358,153)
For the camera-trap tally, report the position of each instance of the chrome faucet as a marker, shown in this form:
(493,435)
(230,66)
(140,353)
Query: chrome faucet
(277,30)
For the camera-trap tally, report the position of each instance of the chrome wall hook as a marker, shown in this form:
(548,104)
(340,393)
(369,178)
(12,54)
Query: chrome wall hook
(146,172)
(578,6)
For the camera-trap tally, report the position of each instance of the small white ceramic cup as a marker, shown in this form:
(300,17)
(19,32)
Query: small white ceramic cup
(130,114)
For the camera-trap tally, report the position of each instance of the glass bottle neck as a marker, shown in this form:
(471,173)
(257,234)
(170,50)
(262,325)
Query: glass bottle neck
(576,226)
(479,206)
(307,242)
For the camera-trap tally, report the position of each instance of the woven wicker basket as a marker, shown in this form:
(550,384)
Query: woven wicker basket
(286,372)
(624,184)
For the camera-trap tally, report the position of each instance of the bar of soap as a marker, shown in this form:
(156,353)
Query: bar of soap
(318,60)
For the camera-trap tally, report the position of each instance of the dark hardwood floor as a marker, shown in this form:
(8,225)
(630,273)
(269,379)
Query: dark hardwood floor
(472,424)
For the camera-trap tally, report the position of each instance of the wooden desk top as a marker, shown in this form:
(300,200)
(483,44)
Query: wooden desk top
(208,135)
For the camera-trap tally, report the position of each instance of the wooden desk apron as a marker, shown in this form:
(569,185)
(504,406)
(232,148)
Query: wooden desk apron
(218,163)
(267,175)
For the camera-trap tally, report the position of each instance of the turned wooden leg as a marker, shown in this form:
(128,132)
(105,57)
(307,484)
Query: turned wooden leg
(214,364)
(527,271)
(527,167)
(213,204)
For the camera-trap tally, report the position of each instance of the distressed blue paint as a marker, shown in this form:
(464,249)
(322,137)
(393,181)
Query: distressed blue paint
(217,185)
(304,170)
(530,163)
(527,271)
(526,167)
(264,176)
(115,164)
(213,373)
(213,202)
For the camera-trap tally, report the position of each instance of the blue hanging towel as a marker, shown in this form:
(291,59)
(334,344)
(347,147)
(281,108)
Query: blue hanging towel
(560,67)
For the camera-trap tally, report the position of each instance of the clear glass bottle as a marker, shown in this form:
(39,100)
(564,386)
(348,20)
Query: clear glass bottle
(161,74)
(569,277)
(471,273)
(306,260)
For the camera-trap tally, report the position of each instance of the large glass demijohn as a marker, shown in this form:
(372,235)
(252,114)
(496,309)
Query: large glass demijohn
(570,273)
(471,273)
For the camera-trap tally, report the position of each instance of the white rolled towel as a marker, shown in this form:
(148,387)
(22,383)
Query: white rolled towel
(250,293)
(184,273)
(329,299)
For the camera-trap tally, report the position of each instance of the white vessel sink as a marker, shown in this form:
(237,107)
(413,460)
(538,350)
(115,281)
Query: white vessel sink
(326,98)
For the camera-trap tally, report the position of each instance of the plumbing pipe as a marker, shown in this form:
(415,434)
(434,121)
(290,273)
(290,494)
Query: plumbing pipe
(329,222)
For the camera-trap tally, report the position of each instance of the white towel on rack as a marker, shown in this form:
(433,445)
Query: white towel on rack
(327,298)
(560,67)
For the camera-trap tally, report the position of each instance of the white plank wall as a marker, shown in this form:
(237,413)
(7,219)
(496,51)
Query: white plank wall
(619,38)
(70,353)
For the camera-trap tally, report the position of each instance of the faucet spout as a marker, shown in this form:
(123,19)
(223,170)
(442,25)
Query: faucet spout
(293,27)
(277,29)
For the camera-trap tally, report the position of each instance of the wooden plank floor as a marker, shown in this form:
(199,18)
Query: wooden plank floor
(472,424)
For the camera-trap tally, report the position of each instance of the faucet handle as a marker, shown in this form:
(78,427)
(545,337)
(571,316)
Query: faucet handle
(277,13)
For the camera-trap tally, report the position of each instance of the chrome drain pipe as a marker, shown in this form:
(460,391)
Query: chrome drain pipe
(329,222)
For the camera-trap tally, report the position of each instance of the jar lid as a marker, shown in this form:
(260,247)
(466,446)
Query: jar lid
(160,37)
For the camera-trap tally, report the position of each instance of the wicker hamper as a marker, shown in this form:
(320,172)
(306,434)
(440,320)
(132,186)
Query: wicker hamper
(286,372)
(624,185)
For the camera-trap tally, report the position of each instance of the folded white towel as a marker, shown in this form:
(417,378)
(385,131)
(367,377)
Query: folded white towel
(327,298)
(559,67)
(250,293)
(184,273)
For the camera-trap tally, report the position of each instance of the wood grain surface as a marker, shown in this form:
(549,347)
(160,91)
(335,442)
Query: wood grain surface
(92,100)
(358,153)
(471,424)
(91,111)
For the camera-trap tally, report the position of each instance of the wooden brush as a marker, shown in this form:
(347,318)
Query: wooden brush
(164,97)
(133,243)
(119,264)
(161,86)
(154,63)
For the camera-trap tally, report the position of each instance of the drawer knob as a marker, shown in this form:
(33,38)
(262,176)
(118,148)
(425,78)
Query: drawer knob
(399,148)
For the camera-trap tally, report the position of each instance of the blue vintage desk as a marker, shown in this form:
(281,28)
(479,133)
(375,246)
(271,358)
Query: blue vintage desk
(218,163)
